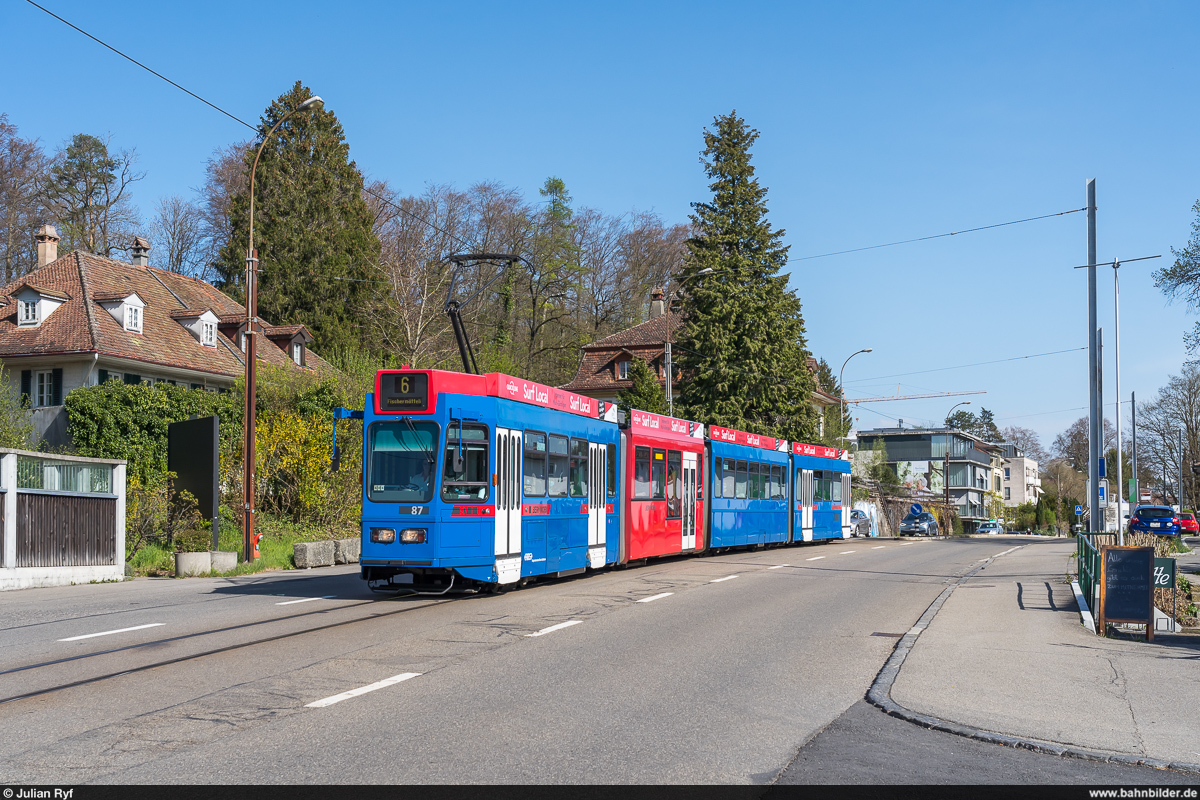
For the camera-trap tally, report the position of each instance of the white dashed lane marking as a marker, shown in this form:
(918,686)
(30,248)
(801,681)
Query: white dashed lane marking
(305,600)
(110,633)
(652,598)
(779,566)
(726,578)
(554,628)
(878,547)
(383,684)
(845,552)
(814,558)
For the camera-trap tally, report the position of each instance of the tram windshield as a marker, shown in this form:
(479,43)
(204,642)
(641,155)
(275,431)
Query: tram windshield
(401,457)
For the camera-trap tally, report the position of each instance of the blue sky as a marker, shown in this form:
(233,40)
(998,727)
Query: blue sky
(878,122)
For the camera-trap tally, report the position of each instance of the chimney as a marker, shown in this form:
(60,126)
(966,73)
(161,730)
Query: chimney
(656,304)
(140,250)
(47,245)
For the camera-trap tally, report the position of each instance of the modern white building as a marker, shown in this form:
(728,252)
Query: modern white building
(1022,483)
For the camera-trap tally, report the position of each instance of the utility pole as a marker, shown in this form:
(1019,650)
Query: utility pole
(1136,494)
(1117,366)
(1181,470)
(1095,410)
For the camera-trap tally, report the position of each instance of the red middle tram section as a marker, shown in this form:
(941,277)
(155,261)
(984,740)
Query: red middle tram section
(663,461)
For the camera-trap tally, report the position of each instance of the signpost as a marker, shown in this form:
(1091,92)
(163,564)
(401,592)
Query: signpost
(1079,511)
(1127,578)
(915,508)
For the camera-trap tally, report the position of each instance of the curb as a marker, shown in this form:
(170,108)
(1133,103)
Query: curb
(880,696)
(1085,614)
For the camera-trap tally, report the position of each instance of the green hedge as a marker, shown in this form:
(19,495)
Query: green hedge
(115,420)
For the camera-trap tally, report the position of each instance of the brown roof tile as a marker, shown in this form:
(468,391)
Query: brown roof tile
(79,326)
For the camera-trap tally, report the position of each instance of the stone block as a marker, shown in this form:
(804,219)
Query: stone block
(313,554)
(346,551)
(188,564)
(223,560)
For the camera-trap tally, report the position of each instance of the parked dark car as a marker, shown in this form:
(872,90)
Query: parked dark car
(923,524)
(1188,526)
(860,523)
(1154,519)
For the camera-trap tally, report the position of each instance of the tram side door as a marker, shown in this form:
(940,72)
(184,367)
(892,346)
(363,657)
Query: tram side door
(806,500)
(508,505)
(597,516)
(689,501)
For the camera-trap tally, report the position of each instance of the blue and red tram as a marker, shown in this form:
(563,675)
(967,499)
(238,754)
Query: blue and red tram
(488,480)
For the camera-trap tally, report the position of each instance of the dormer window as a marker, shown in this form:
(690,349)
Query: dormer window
(298,353)
(623,370)
(209,338)
(133,319)
(200,322)
(27,310)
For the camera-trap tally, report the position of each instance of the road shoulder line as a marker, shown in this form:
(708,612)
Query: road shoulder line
(880,696)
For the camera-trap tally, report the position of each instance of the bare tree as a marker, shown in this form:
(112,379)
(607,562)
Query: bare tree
(226,175)
(1073,443)
(1028,441)
(1176,408)
(88,190)
(22,210)
(177,231)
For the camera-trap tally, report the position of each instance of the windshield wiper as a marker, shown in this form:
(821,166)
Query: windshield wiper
(417,436)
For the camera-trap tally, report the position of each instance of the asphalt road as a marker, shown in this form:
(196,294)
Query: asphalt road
(704,670)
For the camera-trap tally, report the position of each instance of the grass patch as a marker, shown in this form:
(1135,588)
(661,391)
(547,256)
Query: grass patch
(275,549)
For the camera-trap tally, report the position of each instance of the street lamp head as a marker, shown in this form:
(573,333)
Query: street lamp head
(868,350)
(314,102)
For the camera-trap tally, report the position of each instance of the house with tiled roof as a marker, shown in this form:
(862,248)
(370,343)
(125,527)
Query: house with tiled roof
(81,319)
(604,364)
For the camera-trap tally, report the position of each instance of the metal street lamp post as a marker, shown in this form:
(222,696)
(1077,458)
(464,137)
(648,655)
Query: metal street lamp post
(667,354)
(249,542)
(842,388)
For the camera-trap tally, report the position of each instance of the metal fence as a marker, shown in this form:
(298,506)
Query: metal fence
(1087,567)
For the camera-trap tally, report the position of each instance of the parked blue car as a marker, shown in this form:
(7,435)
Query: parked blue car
(1154,519)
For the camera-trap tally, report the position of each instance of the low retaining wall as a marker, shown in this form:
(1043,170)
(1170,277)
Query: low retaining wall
(327,553)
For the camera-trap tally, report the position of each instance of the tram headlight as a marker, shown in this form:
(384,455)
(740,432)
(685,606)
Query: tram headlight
(412,536)
(383,535)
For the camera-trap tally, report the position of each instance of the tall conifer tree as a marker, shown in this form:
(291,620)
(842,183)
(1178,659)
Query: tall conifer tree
(742,351)
(313,230)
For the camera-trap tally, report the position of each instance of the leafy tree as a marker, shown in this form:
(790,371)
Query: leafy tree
(646,394)
(1029,442)
(88,191)
(986,428)
(313,230)
(742,350)
(963,421)
(16,427)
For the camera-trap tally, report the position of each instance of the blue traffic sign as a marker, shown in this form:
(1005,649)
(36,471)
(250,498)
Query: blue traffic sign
(1078,511)
(916,508)
(1101,470)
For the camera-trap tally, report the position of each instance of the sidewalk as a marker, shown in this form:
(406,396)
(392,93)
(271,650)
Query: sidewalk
(1007,653)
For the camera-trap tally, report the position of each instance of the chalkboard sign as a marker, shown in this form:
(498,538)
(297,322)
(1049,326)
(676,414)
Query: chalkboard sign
(1126,586)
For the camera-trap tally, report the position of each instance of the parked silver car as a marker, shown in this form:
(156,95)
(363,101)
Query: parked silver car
(860,523)
(923,524)
(990,527)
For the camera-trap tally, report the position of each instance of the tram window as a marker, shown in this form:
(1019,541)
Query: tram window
(717,477)
(674,484)
(727,480)
(659,474)
(835,487)
(612,470)
(579,468)
(775,492)
(799,484)
(755,482)
(535,464)
(699,477)
(467,480)
(401,461)
(558,474)
(739,486)
(641,473)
